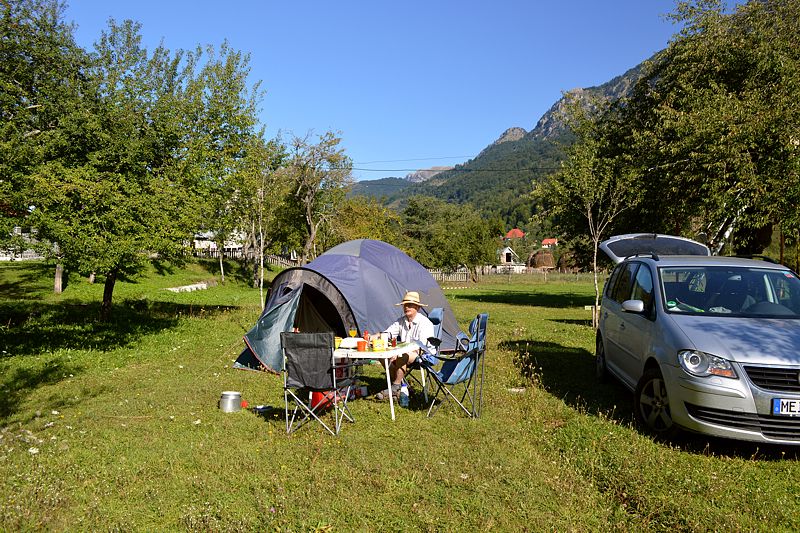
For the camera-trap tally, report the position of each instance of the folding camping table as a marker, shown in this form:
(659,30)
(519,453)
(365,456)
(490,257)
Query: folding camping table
(379,355)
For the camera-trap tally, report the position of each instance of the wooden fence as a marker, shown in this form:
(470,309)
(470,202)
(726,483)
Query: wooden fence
(460,275)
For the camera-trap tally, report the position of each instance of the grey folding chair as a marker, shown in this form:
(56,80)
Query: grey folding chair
(309,367)
(461,369)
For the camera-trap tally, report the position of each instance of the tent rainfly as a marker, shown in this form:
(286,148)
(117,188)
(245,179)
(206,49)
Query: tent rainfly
(356,284)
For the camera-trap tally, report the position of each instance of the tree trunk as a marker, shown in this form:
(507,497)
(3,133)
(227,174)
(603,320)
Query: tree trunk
(596,308)
(108,292)
(783,246)
(221,265)
(58,281)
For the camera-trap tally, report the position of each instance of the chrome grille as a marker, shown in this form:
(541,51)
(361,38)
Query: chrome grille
(784,428)
(774,378)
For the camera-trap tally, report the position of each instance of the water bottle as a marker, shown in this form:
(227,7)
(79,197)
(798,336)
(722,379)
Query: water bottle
(404,395)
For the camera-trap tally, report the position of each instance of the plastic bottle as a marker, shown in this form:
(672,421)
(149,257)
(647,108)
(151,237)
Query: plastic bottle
(404,399)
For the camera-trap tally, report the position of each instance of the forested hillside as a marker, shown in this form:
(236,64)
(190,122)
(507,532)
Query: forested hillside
(499,180)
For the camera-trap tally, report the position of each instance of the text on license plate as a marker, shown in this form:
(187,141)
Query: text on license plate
(781,406)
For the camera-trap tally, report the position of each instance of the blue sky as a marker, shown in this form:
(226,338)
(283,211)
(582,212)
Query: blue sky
(408,84)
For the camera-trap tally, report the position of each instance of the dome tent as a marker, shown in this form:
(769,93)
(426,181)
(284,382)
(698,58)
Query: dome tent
(353,285)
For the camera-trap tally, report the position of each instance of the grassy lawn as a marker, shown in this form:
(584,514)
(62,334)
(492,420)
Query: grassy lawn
(116,427)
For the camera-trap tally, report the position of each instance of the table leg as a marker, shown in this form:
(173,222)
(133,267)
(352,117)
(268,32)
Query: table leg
(389,386)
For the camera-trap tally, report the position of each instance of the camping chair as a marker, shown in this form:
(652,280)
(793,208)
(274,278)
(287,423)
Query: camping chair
(436,316)
(464,367)
(309,367)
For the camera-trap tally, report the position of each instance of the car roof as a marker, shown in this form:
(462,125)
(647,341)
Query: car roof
(619,247)
(714,260)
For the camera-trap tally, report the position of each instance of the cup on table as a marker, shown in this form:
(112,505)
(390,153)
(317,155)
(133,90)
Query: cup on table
(337,341)
(361,346)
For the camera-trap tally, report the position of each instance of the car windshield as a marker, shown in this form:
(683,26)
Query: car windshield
(731,291)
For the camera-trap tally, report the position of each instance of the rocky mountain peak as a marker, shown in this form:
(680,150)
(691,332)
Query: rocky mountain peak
(425,174)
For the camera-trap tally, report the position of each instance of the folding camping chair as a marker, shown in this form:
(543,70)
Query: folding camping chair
(436,316)
(462,368)
(313,380)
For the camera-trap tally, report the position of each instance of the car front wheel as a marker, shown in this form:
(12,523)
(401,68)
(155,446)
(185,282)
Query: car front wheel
(652,404)
(600,368)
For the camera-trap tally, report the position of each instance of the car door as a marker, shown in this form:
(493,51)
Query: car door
(636,329)
(613,317)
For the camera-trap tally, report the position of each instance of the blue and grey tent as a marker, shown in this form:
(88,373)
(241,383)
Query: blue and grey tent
(356,284)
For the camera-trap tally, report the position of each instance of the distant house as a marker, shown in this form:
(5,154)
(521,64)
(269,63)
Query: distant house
(507,256)
(515,233)
(549,243)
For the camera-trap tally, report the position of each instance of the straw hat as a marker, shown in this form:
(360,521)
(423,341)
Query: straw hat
(412,297)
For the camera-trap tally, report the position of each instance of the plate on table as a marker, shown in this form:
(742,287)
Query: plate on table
(349,343)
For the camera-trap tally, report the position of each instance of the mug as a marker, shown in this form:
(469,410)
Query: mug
(361,346)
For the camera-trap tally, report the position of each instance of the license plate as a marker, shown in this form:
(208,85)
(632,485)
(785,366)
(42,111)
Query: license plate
(784,407)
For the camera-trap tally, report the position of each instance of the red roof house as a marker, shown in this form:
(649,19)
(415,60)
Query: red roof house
(549,243)
(515,233)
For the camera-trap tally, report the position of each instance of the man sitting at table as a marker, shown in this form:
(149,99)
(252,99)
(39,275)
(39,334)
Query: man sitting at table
(413,326)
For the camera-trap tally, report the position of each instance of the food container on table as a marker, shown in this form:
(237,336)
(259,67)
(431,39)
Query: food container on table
(361,346)
(230,401)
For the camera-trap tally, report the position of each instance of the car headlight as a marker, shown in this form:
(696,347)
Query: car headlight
(703,364)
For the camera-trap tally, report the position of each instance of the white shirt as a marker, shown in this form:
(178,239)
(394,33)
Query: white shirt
(420,329)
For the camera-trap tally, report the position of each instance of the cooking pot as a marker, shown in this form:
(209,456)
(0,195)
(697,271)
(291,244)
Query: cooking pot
(230,401)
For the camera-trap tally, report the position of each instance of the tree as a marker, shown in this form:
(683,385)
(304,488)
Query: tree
(41,80)
(261,199)
(108,193)
(716,116)
(321,174)
(362,218)
(222,111)
(443,235)
(592,181)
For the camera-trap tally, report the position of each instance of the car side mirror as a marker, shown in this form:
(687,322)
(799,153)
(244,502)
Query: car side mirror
(633,306)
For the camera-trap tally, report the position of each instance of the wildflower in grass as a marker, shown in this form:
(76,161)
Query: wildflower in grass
(33,450)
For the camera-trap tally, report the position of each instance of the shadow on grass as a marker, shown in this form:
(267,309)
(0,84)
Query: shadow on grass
(568,373)
(17,383)
(31,279)
(238,271)
(529,298)
(33,328)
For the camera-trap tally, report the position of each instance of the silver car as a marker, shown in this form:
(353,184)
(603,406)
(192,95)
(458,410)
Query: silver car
(709,344)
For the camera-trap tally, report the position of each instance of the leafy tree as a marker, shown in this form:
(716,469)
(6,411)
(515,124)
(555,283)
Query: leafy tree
(222,112)
(107,194)
(41,80)
(321,174)
(592,181)
(715,117)
(261,198)
(362,218)
(443,235)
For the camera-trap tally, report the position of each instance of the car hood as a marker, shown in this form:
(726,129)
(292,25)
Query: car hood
(771,341)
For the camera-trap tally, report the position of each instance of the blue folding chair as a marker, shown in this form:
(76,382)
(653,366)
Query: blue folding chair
(463,368)
(436,316)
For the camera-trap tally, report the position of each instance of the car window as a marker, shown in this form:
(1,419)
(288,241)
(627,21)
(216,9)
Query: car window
(643,288)
(622,288)
(731,291)
(609,288)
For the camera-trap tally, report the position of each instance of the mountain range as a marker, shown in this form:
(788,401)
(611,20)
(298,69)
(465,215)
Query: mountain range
(498,181)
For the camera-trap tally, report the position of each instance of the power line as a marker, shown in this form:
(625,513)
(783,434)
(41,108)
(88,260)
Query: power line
(533,169)
(415,159)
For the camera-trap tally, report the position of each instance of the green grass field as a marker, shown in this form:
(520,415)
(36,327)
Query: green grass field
(115,426)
